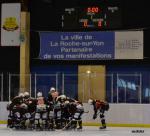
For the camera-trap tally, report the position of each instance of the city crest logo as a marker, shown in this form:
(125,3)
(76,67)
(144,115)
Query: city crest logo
(10,24)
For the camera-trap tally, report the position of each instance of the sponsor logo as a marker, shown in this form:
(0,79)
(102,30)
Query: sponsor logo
(10,24)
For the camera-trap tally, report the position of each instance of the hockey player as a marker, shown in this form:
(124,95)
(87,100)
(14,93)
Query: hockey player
(78,114)
(41,112)
(51,91)
(76,110)
(10,115)
(101,107)
(31,103)
(58,109)
(15,114)
(65,109)
(52,94)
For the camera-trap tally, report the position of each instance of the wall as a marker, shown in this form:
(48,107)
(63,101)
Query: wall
(45,81)
(118,113)
(133,70)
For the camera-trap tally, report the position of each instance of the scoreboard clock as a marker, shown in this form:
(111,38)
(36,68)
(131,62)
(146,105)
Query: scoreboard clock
(92,17)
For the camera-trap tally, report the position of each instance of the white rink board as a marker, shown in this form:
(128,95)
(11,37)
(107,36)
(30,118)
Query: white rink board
(122,114)
(118,113)
(3,111)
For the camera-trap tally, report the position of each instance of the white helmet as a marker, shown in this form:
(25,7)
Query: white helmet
(26,94)
(39,94)
(90,101)
(21,95)
(52,89)
(61,97)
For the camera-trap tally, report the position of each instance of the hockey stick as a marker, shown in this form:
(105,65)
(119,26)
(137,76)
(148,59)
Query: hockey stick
(72,120)
(67,125)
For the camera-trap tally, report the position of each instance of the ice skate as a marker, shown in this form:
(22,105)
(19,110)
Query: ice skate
(102,128)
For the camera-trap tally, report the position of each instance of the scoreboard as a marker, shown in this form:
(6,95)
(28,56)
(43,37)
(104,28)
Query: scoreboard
(92,17)
(82,15)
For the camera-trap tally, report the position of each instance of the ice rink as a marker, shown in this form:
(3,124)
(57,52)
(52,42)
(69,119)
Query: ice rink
(87,131)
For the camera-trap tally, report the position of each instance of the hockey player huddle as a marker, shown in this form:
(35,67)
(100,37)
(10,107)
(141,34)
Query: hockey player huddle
(54,112)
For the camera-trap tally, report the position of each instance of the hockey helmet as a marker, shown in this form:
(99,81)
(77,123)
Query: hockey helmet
(90,101)
(21,95)
(52,89)
(26,94)
(39,94)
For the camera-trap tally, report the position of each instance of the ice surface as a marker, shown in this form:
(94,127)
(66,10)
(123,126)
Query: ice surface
(87,131)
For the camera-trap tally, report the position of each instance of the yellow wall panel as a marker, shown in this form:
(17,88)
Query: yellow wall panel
(91,82)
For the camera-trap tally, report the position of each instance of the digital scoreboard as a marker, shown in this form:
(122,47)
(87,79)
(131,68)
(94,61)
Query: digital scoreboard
(92,17)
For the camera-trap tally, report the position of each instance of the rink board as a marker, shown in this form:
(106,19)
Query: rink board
(123,115)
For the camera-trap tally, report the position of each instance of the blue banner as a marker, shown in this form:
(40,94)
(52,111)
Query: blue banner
(77,45)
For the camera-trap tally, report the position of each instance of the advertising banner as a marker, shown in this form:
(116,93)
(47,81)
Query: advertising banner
(91,45)
(10,24)
(77,45)
(129,45)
